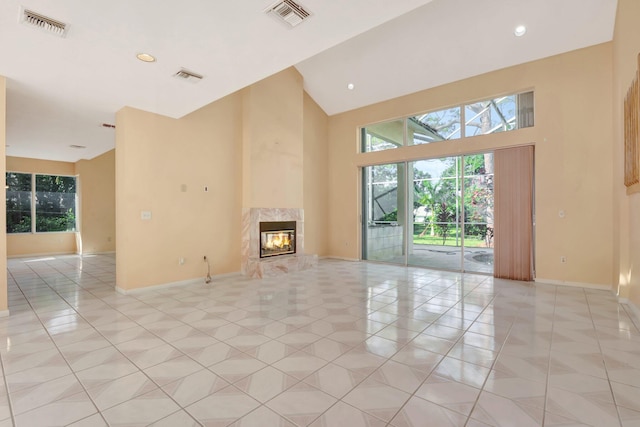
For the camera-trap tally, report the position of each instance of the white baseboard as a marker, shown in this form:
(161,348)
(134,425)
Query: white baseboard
(196,281)
(97,253)
(159,286)
(4,313)
(574,284)
(40,255)
(633,309)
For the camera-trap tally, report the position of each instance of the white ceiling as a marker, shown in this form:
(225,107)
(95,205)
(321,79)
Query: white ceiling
(60,90)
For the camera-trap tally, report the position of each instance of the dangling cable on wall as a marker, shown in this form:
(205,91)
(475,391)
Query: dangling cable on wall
(208,278)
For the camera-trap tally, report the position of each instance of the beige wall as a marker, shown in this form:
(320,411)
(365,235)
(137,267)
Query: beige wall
(3,217)
(248,149)
(97,203)
(96,196)
(40,243)
(572,137)
(626,46)
(163,166)
(272,142)
(315,189)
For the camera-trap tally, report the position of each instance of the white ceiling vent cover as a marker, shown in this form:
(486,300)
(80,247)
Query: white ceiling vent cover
(44,23)
(289,12)
(189,76)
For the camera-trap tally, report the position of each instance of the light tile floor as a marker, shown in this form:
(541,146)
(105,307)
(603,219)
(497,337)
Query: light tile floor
(344,344)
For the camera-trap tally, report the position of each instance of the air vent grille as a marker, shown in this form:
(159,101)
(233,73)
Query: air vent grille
(44,23)
(188,76)
(289,11)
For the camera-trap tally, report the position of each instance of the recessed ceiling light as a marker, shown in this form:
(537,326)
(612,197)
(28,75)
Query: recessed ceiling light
(520,30)
(350,86)
(146,57)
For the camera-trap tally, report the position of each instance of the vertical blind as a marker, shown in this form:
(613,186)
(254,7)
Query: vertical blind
(513,193)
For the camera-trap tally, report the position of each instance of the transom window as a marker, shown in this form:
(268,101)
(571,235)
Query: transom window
(479,118)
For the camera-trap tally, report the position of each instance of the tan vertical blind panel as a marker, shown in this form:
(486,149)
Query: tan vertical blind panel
(513,200)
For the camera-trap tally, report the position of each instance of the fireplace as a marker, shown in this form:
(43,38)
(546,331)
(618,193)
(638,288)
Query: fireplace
(259,222)
(277,238)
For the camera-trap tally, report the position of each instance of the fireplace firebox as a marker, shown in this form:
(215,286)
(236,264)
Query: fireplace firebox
(277,238)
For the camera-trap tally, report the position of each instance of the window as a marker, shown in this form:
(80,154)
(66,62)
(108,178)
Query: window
(500,114)
(436,126)
(55,203)
(18,202)
(383,136)
(52,209)
(493,115)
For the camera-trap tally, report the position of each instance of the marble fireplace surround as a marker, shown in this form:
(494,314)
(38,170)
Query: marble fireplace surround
(252,264)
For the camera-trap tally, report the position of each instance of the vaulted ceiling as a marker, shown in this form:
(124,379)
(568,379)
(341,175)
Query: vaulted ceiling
(60,90)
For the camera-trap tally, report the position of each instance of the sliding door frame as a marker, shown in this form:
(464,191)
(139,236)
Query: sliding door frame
(408,219)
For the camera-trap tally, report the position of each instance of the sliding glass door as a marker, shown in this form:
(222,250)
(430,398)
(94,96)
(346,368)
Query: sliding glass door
(436,237)
(384,213)
(442,220)
(478,213)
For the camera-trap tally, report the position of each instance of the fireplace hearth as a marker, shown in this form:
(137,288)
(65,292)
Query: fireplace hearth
(277,238)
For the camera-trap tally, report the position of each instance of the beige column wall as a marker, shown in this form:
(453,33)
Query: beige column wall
(272,145)
(574,164)
(40,243)
(626,47)
(163,166)
(3,218)
(316,182)
(97,190)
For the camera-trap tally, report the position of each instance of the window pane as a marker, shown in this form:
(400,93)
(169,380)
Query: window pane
(478,213)
(383,136)
(55,203)
(432,127)
(436,208)
(385,210)
(494,115)
(18,202)
(525,110)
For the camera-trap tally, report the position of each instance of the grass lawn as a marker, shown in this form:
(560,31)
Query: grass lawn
(469,241)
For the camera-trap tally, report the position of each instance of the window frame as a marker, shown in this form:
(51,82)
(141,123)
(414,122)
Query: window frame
(33,204)
(462,130)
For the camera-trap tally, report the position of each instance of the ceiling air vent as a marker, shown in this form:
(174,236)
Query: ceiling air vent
(43,23)
(188,76)
(288,11)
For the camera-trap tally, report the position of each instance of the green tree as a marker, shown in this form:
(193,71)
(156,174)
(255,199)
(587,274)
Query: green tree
(55,203)
(445,215)
(18,202)
(430,194)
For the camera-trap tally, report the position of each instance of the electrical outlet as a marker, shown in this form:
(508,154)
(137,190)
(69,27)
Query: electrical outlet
(181,261)
(563,259)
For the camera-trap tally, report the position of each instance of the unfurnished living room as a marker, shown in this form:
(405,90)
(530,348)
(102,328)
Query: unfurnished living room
(320,213)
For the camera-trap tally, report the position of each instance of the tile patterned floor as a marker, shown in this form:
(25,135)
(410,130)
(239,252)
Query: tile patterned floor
(345,344)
